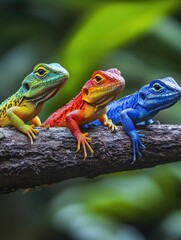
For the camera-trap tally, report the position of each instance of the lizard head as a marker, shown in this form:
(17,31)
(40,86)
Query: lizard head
(103,87)
(159,94)
(44,82)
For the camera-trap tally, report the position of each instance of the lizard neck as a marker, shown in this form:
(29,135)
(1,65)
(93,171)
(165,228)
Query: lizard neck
(128,101)
(74,104)
(15,100)
(115,108)
(58,118)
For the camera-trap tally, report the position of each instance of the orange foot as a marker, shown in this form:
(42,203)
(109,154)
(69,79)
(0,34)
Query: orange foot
(111,125)
(84,139)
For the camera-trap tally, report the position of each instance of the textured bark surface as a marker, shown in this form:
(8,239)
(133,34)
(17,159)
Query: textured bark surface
(53,158)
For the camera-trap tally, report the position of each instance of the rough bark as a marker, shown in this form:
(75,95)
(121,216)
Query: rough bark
(53,157)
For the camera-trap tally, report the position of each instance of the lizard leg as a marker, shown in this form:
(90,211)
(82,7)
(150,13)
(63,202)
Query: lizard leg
(127,117)
(108,123)
(36,121)
(72,120)
(14,114)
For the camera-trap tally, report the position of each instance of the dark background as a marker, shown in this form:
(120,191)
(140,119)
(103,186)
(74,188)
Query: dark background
(143,40)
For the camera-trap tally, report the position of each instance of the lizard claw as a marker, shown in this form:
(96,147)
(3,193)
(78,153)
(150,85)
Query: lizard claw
(151,122)
(83,140)
(45,126)
(141,135)
(30,131)
(137,145)
(136,150)
(111,125)
(157,122)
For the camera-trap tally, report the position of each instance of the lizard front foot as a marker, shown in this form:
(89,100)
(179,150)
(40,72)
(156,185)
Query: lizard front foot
(111,125)
(83,140)
(138,146)
(30,131)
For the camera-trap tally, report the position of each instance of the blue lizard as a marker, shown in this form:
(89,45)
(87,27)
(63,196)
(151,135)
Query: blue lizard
(139,108)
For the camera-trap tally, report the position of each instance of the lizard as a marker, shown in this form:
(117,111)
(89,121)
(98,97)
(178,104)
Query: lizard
(40,85)
(90,104)
(139,108)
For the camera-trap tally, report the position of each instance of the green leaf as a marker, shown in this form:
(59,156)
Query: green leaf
(103,28)
(106,27)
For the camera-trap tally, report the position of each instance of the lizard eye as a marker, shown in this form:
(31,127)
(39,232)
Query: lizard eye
(98,78)
(41,72)
(157,87)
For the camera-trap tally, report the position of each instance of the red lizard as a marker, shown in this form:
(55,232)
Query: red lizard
(88,105)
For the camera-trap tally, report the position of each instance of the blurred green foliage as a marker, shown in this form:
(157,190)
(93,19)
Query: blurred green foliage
(143,40)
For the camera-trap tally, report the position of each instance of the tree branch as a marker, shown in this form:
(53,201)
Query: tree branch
(53,158)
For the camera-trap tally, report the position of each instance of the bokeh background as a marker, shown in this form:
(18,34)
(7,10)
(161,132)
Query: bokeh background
(143,40)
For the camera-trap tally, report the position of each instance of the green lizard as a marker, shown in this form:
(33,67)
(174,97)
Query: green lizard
(23,106)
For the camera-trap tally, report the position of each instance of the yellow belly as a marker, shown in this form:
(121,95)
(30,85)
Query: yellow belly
(92,113)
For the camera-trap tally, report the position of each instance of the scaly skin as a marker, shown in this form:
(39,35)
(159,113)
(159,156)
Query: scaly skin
(39,86)
(140,107)
(88,105)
